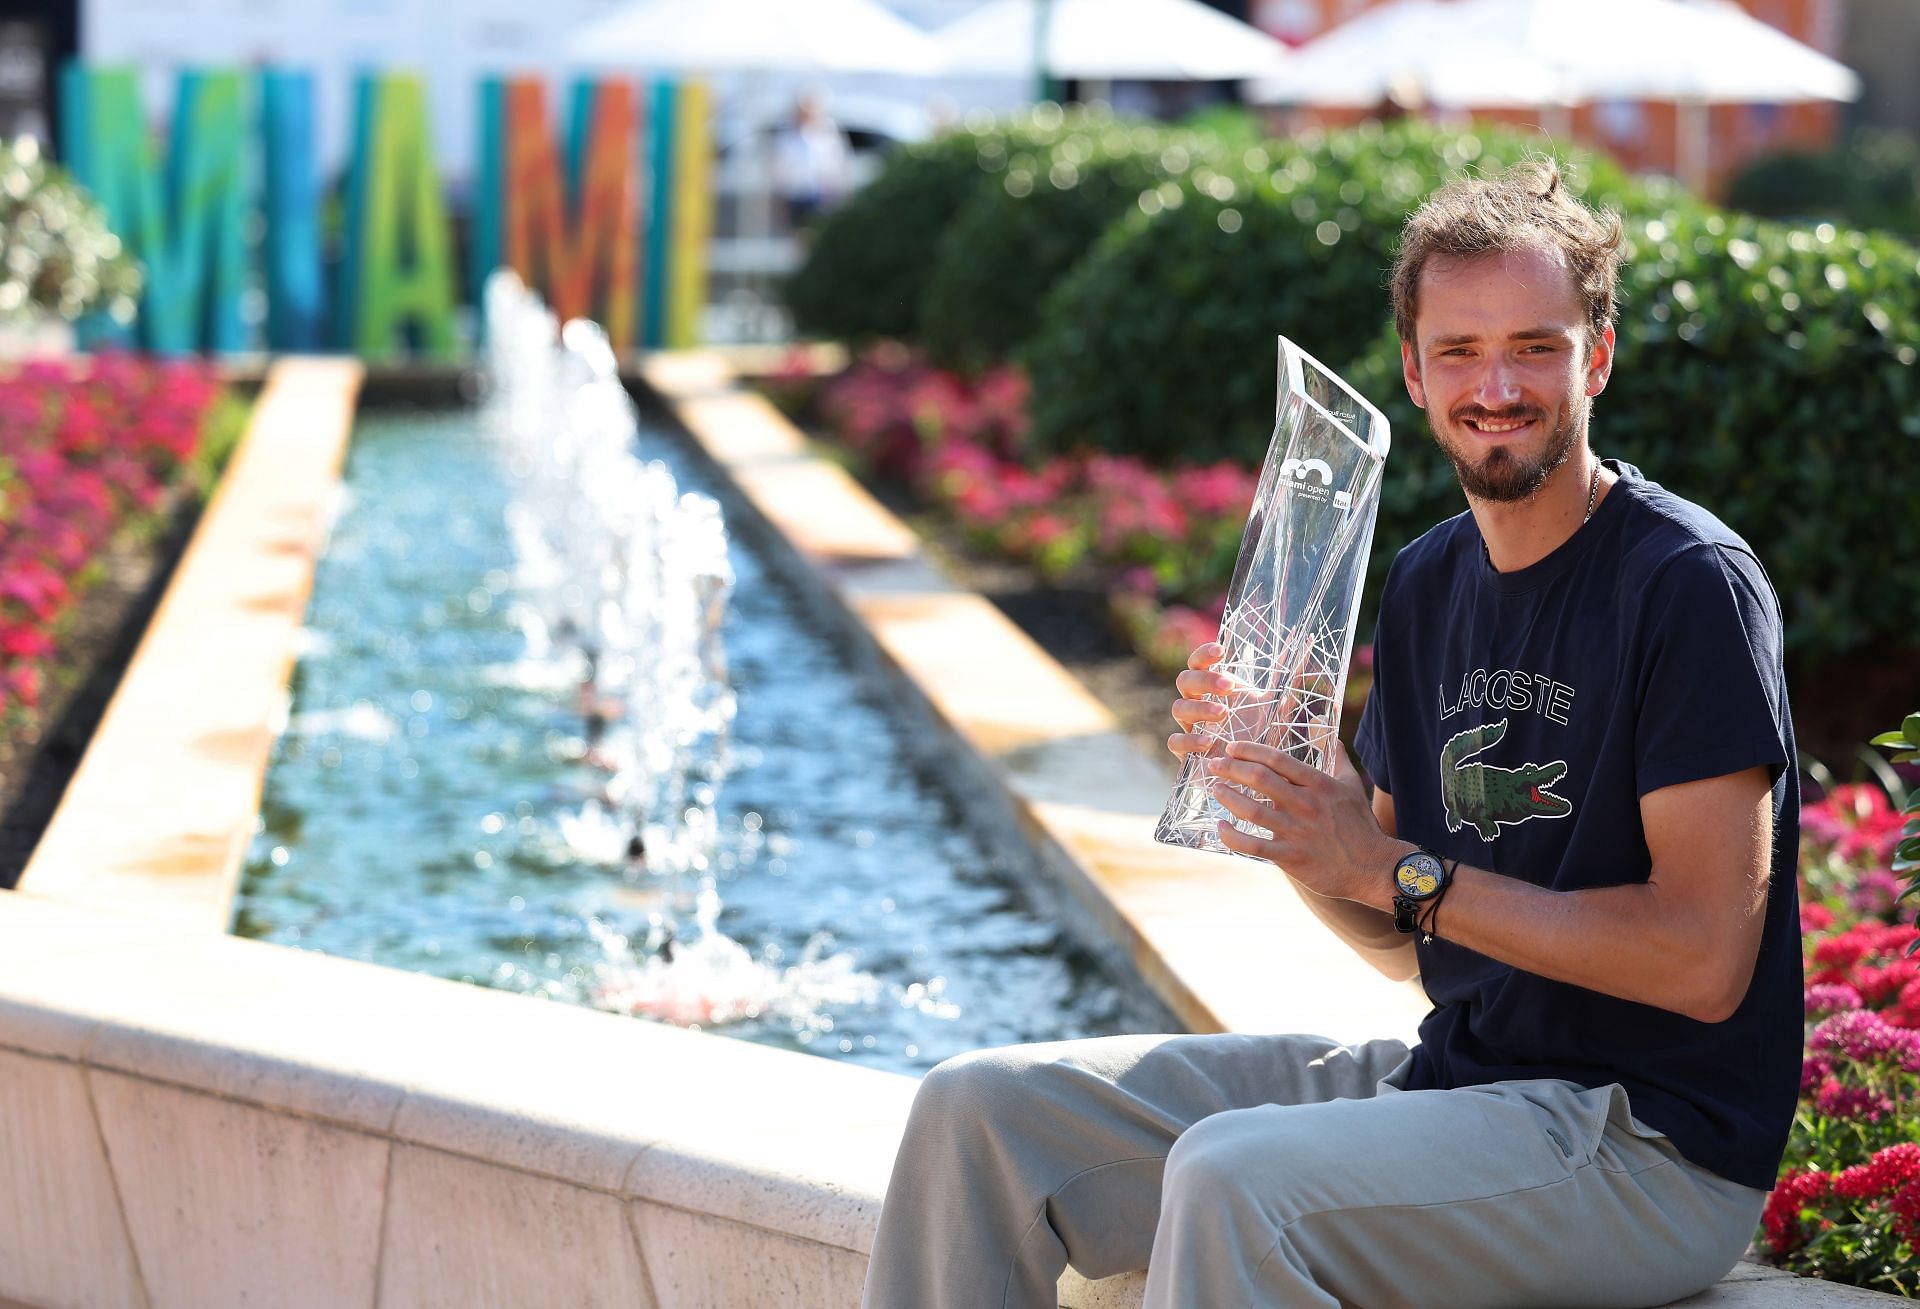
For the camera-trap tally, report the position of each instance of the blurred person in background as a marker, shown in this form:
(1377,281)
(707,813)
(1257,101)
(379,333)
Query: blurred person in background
(811,162)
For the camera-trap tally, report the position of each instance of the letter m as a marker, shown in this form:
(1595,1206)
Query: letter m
(185,227)
(578,226)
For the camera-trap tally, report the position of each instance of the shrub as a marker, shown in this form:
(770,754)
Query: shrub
(1873,180)
(1012,242)
(866,270)
(867,266)
(1161,342)
(57,258)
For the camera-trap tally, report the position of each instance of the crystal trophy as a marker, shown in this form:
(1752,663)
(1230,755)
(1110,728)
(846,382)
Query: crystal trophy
(1288,627)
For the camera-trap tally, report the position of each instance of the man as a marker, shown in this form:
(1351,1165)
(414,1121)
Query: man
(811,162)
(1582,836)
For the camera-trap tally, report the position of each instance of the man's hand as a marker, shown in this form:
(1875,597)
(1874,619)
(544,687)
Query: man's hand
(1323,828)
(1190,709)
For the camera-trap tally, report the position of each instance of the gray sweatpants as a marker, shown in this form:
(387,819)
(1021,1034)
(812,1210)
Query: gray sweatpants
(1287,1171)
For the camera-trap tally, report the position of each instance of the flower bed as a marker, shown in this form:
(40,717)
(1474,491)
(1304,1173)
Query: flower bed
(1160,542)
(1847,1207)
(91,451)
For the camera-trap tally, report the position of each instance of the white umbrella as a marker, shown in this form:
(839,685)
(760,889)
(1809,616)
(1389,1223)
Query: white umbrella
(817,36)
(1495,53)
(1450,53)
(1100,40)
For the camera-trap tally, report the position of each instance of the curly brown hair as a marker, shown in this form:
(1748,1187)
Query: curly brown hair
(1526,207)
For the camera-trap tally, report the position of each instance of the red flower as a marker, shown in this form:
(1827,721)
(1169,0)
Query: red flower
(25,643)
(1888,1171)
(1792,1194)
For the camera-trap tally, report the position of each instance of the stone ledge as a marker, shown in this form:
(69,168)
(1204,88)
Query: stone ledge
(238,1087)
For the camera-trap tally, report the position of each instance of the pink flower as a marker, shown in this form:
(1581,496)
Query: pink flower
(1856,1103)
(1865,1037)
(1223,490)
(1831,997)
(1856,820)
(1875,891)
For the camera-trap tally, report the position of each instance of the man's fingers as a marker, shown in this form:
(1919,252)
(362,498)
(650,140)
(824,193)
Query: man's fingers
(1257,778)
(1188,712)
(1195,683)
(1205,656)
(1241,805)
(1242,843)
(1279,761)
(1186,743)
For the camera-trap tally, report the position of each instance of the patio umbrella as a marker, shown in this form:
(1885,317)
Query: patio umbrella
(1099,40)
(756,36)
(1495,53)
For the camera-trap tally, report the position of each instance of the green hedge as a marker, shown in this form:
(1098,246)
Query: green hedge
(1161,342)
(869,264)
(998,258)
(1873,180)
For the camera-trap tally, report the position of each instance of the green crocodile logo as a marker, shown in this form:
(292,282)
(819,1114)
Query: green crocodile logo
(1487,796)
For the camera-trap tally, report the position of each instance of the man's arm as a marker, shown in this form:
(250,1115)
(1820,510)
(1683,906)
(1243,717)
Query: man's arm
(1684,941)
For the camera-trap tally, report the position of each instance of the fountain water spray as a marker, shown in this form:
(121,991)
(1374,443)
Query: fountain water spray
(623,583)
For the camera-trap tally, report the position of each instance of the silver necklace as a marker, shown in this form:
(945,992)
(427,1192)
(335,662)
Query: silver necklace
(1593,496)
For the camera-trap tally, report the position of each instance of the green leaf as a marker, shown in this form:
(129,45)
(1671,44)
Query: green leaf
(1890,738)
(1912,728)
(1908,849)
(1907,757)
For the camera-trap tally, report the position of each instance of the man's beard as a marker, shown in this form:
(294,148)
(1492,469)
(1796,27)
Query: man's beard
(1502,475)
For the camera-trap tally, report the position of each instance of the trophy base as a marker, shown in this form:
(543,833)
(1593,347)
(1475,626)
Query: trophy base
(1199,830)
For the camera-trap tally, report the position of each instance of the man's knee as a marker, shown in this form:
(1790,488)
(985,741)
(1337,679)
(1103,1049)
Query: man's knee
(978,1086)
(1209,1162)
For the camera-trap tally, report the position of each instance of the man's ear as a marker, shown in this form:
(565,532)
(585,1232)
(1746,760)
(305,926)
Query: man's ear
(1600,362)
(1410,371)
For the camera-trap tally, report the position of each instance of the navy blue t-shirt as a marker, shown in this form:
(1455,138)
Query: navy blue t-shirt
(1517,719)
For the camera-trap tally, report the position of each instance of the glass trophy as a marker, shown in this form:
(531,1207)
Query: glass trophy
(1295,595)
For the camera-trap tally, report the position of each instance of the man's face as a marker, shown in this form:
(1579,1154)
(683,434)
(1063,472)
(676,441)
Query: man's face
(1506,367)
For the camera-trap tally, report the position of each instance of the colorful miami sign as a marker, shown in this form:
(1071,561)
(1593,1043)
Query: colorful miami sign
(608,217)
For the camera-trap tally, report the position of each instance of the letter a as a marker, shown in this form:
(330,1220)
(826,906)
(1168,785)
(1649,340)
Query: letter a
(398,268)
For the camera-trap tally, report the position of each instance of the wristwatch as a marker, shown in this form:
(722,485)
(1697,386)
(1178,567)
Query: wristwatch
(1418,879)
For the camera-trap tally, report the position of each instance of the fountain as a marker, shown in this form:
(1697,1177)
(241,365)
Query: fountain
(553,732)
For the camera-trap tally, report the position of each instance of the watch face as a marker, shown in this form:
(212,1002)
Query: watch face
(1418,876)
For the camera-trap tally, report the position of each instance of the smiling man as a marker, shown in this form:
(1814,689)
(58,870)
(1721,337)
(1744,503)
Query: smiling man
(1581,837)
